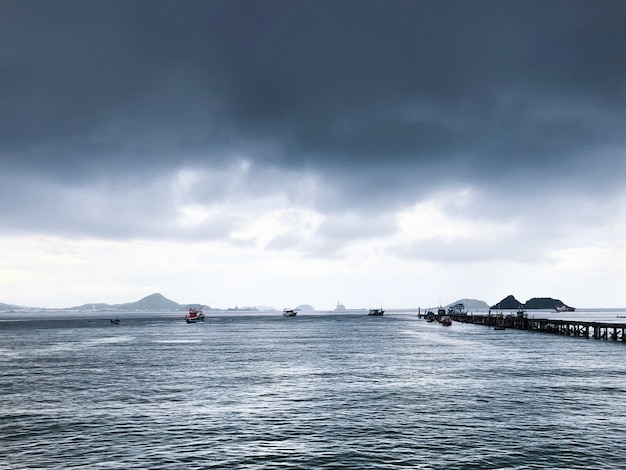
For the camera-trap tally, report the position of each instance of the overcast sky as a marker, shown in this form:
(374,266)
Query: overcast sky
(395,153)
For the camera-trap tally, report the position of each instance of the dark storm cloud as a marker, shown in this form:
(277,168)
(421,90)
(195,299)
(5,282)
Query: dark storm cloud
(396,97)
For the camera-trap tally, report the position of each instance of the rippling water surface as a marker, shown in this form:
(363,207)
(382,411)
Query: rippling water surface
(314,391)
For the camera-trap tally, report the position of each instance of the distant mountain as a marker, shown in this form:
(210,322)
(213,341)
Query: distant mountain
(536,303)
(263,308)
(508,303)
(151,302)
(8,307)
(471,304)
(543,303)
(305,308)
(98,306)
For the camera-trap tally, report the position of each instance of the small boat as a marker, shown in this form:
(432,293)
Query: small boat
(457,309)
(446,321)
(564,308)
(194,316)
(376,312)
(289,312)
(115,321)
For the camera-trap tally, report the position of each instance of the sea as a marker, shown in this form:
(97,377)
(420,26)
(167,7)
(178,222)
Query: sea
(322,390)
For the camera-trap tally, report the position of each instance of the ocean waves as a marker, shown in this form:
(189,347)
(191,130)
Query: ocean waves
(312,392)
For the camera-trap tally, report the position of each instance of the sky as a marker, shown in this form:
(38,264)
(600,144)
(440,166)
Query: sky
(276,153)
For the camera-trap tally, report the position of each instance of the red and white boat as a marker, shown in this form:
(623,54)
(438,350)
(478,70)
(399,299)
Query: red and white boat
(195,315)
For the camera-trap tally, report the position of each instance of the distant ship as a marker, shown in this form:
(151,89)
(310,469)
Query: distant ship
(289,312)
(564,308)
(194,316)
(342,308)
(376,312)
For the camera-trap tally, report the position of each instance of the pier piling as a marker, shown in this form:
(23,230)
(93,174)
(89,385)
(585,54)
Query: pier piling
(584,329)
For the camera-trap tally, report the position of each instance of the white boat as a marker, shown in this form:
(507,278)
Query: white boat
(564,308)
(457,309)
(289,312)
(376,312)
(194,316)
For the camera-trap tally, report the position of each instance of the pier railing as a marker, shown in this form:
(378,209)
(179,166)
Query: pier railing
(585,329)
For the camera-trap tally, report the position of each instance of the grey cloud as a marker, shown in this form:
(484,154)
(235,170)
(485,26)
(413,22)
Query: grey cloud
(382,102)
(520,247)
(357,226)
(131,208)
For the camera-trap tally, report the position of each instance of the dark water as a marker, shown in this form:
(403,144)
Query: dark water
(314,391)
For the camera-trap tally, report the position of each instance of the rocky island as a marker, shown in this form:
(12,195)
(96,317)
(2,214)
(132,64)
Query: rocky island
(536,303)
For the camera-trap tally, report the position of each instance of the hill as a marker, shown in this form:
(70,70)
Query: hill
(508,303)
(8,306)
(536,303)
(151,302)
(543,303)
(471,304)
(305,308)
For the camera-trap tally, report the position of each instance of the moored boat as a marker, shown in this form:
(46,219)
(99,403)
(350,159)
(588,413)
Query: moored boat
(457,309)
(289,312)
(564,308)
(376,312)
(194,316)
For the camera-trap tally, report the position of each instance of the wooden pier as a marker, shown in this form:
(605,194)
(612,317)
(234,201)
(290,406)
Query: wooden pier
(585,329)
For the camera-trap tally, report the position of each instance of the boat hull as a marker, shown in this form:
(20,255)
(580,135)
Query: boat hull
(194,320)
(564,308)
(194,316)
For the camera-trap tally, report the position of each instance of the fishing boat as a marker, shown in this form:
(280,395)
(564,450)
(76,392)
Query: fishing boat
(289,312)
(457,309)
(194,316)
(376,312)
